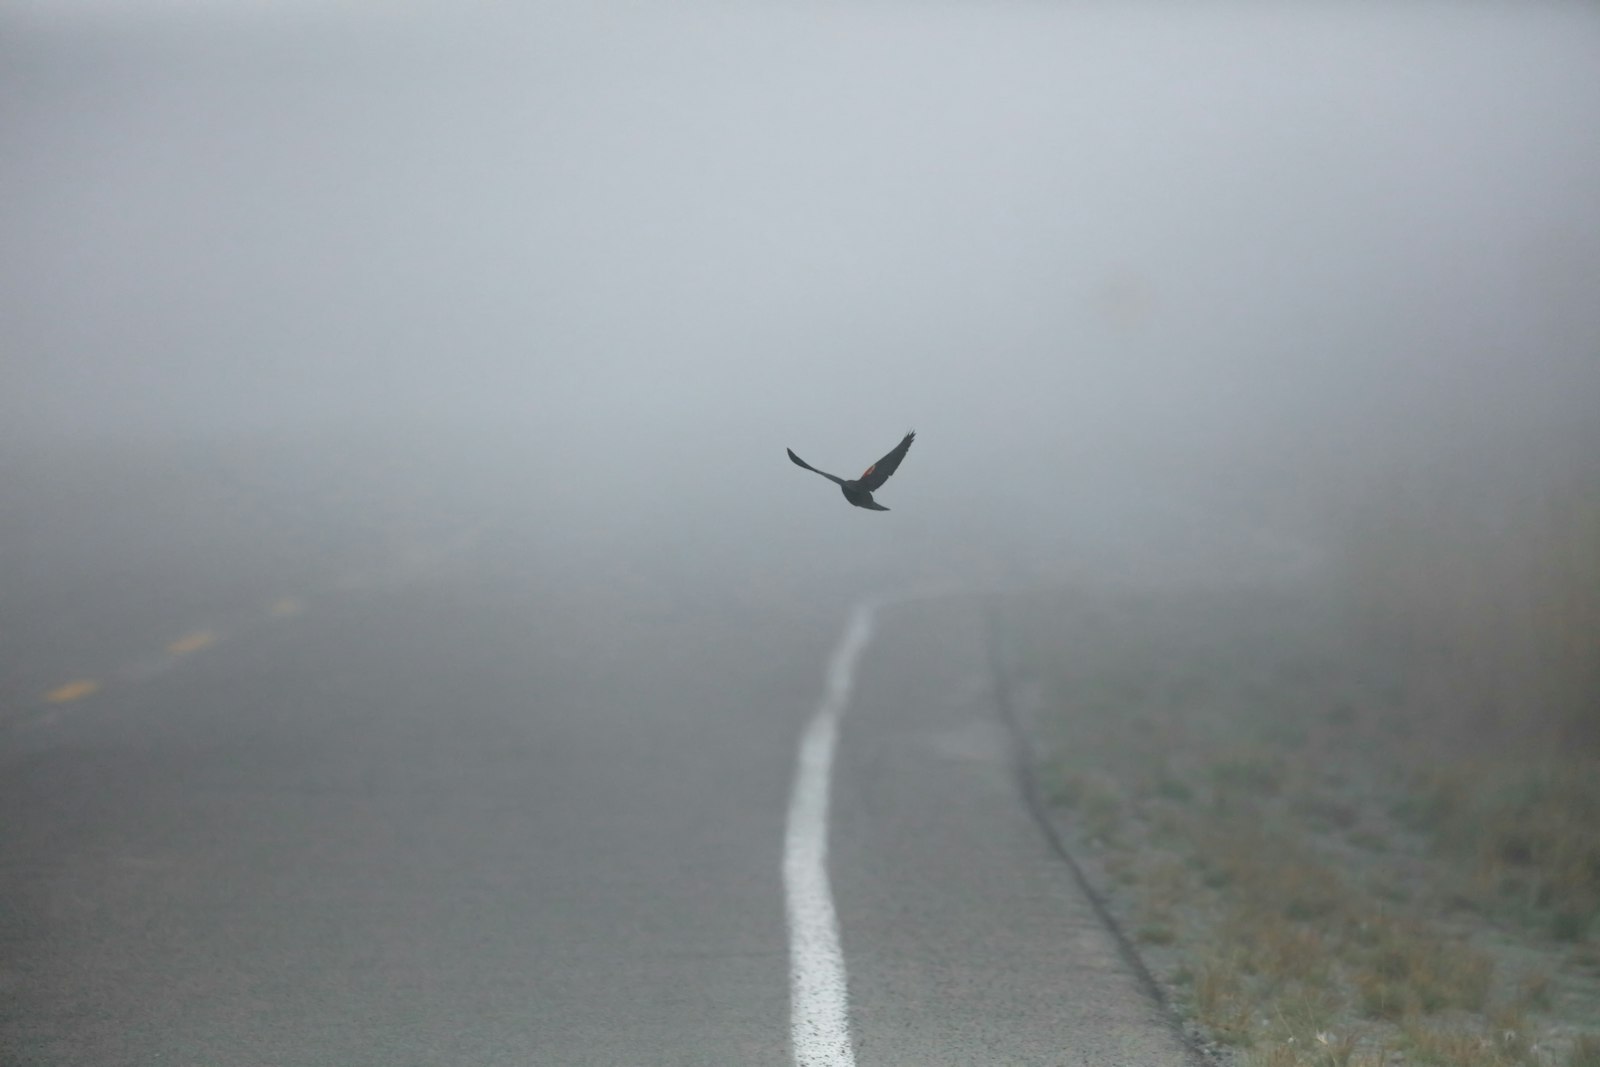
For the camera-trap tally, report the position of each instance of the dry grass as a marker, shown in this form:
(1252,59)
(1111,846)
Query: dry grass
(1402,968)
(1533,992)
(1530,831)
(1222,1005)
(1585,1052)
(1274,867)
(1449,1048)
(1317,1048)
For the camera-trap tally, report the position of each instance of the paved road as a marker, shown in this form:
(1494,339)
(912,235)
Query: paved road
(967,940)
(468,810)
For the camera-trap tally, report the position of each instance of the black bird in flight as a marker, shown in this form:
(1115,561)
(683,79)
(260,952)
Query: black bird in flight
(859,491)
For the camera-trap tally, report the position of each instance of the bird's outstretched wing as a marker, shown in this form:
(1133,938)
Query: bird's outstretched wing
(879,472)
(802,463)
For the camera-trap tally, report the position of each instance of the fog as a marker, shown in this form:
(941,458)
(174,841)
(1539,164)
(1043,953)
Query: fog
(1131,272)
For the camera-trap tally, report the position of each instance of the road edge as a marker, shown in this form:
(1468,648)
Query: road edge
(1023,761)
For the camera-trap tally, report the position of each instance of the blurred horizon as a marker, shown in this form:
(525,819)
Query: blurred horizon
(1119,266)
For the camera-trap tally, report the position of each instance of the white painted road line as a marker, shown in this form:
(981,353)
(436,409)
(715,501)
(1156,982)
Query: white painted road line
(819,1008)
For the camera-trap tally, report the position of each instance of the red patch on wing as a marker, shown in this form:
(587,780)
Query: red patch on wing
(869,470)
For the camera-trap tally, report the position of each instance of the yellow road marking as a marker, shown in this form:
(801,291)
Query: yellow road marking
(285,607)
(63,694)
(192,642)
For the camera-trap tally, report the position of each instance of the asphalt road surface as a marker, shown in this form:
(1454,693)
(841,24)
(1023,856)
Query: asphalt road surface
(451,808)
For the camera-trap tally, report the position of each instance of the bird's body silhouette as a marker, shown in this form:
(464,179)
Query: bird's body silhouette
(859,490)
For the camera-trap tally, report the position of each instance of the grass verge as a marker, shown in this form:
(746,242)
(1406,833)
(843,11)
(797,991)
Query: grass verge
(1313,882)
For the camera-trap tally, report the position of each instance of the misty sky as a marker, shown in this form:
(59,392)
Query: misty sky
(1106,232)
